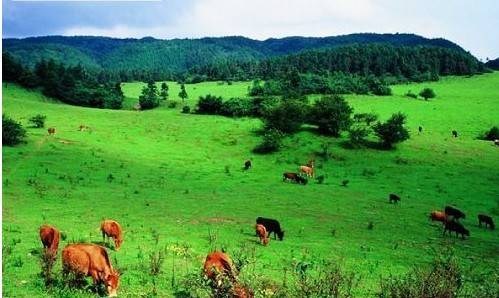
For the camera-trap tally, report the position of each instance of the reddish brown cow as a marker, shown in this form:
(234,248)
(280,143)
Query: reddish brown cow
(217,265)
(439,216)
(51,130)
(261,232)
(112,229)
(50,237)
(290,176)
(219,268)
(90,260)
(307,171)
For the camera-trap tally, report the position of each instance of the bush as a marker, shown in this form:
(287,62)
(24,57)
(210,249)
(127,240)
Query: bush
(210,104)
(427,93)
(12,132)
(491,135)
(272,141)
(38,121)
(392,131)
(287,117)
(186,110)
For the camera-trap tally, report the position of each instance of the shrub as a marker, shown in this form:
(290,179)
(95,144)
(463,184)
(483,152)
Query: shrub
(392,131)
(287,117)
(491,135)
(38,121)
(272,141)
(427,93)
(210,104)
(186,110)
(12,132)
(411,95)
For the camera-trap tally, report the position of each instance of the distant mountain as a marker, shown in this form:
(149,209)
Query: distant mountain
(179,55)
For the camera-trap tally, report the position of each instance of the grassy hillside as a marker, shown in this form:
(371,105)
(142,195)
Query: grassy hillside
(175,183)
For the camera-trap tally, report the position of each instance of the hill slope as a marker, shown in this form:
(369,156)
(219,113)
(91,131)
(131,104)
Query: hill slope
(181,54)
(175,183)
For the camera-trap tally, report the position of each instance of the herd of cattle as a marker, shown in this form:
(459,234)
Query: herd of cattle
(88,259)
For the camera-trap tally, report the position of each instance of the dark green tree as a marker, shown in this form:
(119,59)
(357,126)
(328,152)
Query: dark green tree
(331,114)
(149,98)
(209,104)
(12,132)
(183,94)
(287,117)
(272,141)
(164,91)
(392,131)
(427,93)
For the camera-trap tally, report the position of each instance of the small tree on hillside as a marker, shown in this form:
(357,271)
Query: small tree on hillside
(331,114)
(392,131)
(164,91)
(183,94)
(427,93)
(149,98)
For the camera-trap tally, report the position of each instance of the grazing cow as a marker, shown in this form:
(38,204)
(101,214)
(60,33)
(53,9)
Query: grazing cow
(90,260)
(454,226)
(455,213)
(496,142)
(272,226)
(261,232)
(301,180)
(247,165)
(487,220)
(50,237)
(219,268)
(218,265)
(420,129)
(307,171)
(454,133)
(394,198)
(439,216)
(290,176)
(112,229)
(51,130)
(82,127)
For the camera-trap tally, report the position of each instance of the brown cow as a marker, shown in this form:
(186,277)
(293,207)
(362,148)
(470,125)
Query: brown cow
(90,260)
(219,268)
(112,229)
(50,237)
(261,232)
(439,216)
(51,130)
(307,171)
(290,176)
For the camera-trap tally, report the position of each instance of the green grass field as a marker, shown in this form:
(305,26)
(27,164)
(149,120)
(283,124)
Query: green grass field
(175,182)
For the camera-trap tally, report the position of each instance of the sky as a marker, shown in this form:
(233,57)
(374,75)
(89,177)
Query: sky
(472,24)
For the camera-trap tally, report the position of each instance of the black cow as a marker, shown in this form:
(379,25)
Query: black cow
(394,198)
(301,180)
(247,165)
(454,226)
(454,133)
(487,220)
(420,129)
(271,225)
(455,213)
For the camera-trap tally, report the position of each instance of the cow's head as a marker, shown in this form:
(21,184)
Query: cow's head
(117,243)
(112,281)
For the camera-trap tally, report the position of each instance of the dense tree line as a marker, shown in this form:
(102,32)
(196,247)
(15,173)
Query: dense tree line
(224,58)
(69,84)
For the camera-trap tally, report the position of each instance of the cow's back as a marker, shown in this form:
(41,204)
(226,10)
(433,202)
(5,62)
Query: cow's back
(75,259)
(87,257)
(218,263)
(49,237)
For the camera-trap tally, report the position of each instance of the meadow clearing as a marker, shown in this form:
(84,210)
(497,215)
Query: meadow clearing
(176,184)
